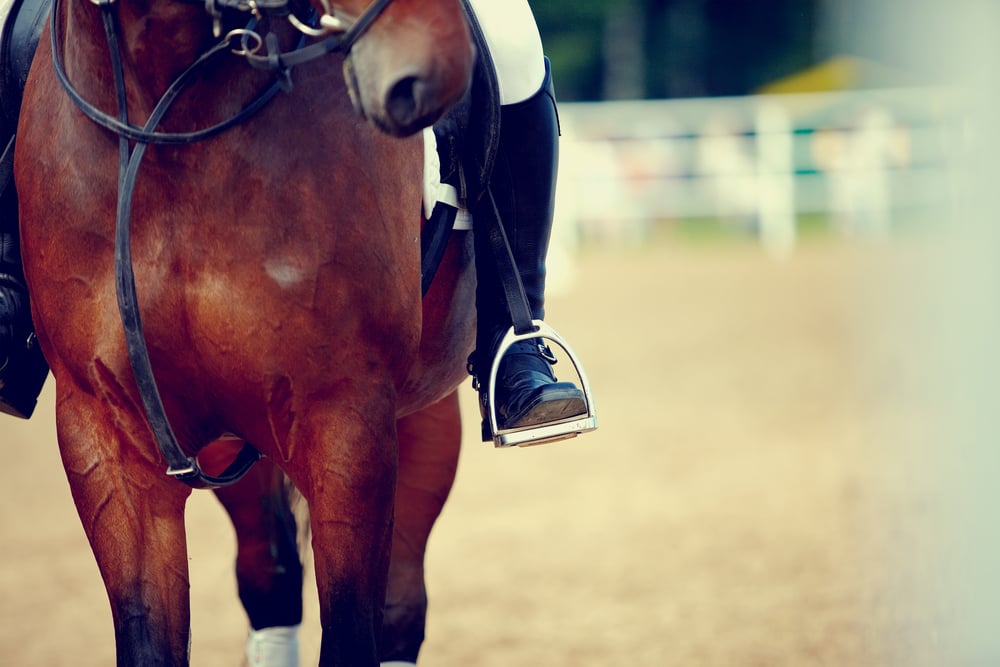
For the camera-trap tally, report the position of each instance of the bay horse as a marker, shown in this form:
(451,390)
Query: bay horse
(277,271)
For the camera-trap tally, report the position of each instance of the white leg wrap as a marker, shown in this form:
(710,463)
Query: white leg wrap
(274,647)
(398,663)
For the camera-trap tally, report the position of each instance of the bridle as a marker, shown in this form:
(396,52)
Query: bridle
(335,35)
(338,36)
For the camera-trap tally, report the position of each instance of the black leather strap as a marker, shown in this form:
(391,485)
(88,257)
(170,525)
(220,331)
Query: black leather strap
(433,242)
(479,146)
(7,165)
(179,465)
(148,134)
(510,278)
(341,43)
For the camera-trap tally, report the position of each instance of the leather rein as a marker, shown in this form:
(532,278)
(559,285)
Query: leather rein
(337,36)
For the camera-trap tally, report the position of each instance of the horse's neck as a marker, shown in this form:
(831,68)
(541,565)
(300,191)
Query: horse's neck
(157,39)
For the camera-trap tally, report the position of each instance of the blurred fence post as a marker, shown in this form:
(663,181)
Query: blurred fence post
(775,179)
(862,163)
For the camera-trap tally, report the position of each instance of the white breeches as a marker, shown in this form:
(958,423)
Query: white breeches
(514,43)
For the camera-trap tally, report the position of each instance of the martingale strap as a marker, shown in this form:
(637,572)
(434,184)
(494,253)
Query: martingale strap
(275,61)
(149,134)
(179,465)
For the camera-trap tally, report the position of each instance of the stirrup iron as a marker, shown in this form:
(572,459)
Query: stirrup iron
(541,433)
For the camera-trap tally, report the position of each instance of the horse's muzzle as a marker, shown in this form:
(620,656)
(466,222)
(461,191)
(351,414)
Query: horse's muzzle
(405,102)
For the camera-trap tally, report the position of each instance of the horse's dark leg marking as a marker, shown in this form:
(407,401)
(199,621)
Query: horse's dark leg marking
(268,568)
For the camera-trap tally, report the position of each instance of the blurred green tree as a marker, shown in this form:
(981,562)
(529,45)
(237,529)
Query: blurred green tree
(606,49)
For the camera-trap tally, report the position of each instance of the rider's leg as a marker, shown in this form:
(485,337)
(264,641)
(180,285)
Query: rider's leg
(523,185)
(515,47)
(22,366)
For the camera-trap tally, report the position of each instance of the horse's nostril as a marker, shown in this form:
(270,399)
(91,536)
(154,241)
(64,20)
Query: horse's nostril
(411,103)
(401,103)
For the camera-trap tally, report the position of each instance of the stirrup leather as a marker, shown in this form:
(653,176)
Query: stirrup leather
(540,433)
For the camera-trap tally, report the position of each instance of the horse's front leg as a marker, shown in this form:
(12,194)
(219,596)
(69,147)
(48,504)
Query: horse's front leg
(344,462)
(268,567)
(133,516)
(429,444)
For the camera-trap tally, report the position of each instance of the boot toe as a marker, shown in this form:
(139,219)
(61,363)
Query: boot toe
(546,404)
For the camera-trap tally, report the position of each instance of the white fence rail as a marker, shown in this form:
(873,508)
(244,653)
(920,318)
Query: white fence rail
(868,160)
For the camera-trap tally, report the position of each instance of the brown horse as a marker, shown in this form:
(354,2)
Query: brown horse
(278,276)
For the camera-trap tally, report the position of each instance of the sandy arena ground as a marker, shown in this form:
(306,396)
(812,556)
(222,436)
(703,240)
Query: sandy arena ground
(743,503)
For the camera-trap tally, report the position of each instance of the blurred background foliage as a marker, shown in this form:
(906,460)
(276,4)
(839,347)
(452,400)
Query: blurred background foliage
(641,49)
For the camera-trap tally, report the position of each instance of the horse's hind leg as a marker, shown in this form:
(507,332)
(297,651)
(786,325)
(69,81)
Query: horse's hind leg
(134,518)
(268,568)
(429,443)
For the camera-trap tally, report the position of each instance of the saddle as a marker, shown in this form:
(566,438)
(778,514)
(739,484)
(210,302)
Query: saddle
(467,136)
(22,28)
(466,144)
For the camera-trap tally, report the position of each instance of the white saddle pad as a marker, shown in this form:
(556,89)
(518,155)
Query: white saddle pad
(434,190)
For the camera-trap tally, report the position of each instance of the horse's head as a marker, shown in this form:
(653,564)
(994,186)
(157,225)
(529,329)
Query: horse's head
(411,64)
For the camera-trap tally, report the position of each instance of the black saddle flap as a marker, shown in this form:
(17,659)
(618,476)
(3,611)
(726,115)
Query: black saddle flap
(467,136)
(21,31)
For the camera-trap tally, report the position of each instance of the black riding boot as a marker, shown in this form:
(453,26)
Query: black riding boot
(22,367)
(523,185)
